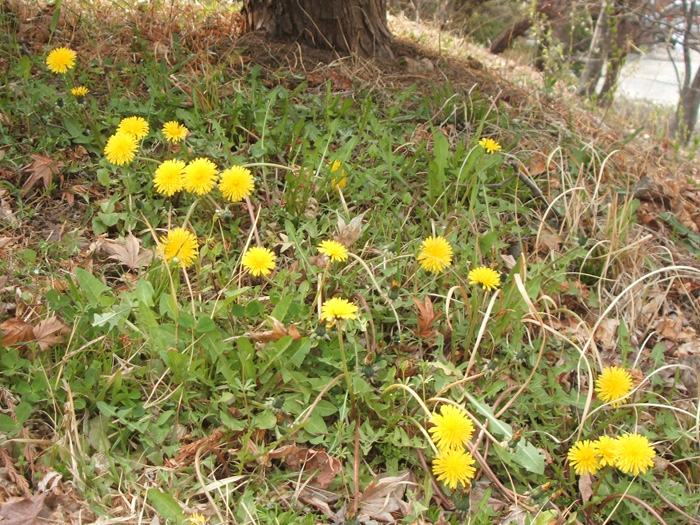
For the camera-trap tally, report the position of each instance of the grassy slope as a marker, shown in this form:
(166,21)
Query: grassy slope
(193,386)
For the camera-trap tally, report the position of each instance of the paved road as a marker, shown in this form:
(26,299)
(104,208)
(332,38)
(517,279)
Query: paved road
(652,76)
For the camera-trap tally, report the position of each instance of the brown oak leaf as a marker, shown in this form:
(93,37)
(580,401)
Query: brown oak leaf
(128,252)
(16,331)
(48,332)
(426,317)
(42,169)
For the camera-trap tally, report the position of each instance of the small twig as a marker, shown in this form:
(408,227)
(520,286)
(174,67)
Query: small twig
(692,520)
(447,504)
(636,500)
(356,467)
(253,220)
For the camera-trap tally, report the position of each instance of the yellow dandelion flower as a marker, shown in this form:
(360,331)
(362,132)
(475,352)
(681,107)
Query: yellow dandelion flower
(173,131)
(200,176)
(136,126)
(197,519)
(343,180)
(335,251)
(337,309)
(583,455)
(634,453)
(79,91)
(61,59)
(606,447)
(180,245)
(258,261)
(121,148)
(436,254)
(453,427)
(236,183)
(613,385)
(453,466)
(490,145)
(486,277)
(169,178)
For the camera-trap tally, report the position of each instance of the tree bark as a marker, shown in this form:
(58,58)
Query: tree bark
(596,54)
(348,26)
(686,116)
(505,39)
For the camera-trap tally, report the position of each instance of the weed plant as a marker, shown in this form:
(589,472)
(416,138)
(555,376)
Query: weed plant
(191,377)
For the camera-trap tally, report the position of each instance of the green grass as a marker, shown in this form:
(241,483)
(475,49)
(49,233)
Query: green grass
(151,361)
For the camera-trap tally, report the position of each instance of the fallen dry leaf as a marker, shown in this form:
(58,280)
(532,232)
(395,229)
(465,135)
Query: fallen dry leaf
(383,499)
(16,331)
(426,317)
(25,511)
(188,452)
(48,332)
(309,460)
(42,169)
(585,487)
(349,233)
(278,332)
(128,252)
(606,333)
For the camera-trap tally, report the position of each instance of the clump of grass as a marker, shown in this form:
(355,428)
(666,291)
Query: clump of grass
(317,288)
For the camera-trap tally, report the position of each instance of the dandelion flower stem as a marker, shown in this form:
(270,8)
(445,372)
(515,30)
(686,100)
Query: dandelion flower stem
(253,220)
(408,389)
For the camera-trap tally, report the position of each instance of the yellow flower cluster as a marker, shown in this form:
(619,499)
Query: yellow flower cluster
(630,453)
(451,431)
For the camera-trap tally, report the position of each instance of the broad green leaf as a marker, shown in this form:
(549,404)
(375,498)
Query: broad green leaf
(528,456)
(92,287)
(113,317)
(546,517)
(166,506)
(281,308)
(298,357)
(145,292)
(496,426)
(265,420)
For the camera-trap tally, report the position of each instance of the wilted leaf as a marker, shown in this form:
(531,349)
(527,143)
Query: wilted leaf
(278,332)
(537,166)
(606,333)
(348,233)
(25,511)
(585,487)
(426,317)
(16,331)
(42,169)
(383,499)
(188,452)
(128,252)
(48,332)
(310,460)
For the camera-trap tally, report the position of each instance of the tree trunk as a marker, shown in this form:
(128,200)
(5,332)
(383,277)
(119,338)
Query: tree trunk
(349,26)
(683,123)
(505,39)
(686,116)
(596,55)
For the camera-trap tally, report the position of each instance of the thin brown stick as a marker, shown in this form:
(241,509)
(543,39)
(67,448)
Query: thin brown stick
(636,500)
(356,467)
(447,504)
(692,520)
(253,220)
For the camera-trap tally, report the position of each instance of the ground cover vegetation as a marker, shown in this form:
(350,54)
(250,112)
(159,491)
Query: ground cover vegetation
(239,293)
